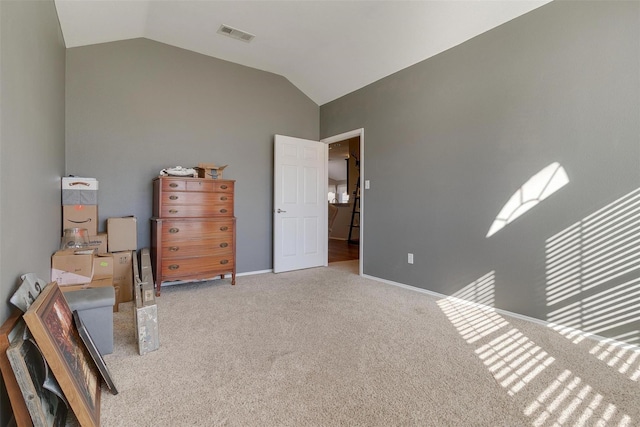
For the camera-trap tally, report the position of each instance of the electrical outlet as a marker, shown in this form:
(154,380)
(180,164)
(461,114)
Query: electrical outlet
(410,258)
(367,184)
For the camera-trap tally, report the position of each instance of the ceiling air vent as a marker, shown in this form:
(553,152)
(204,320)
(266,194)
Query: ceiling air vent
(234,33)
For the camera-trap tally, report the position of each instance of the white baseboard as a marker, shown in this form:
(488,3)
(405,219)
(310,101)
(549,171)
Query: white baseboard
(253,273)
(549,325)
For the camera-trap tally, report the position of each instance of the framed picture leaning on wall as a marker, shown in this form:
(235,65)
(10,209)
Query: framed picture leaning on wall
(95,354)
(51,323)
(11,331)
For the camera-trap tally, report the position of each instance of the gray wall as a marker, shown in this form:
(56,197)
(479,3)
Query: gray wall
(449,140)
(32,56)
(137,106)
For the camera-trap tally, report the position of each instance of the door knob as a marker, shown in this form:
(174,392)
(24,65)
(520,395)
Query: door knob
(280,210)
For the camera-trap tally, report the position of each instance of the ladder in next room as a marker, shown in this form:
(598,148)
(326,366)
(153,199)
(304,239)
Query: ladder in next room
(355,213)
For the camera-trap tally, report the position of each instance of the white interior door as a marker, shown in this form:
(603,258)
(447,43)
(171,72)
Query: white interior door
(300,204)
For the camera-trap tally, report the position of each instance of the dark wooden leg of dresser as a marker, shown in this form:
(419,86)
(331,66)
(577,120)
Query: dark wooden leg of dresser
(158,277)
(233,278)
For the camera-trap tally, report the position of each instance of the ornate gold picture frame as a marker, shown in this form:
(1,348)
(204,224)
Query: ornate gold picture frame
(51,323)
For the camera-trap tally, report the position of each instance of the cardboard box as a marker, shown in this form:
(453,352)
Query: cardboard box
(81,216)
(122,234)
(79,191)
(99,242)
(102,266)
(103,273)
(96,283)
(71,268)
(210,171)
(123,275)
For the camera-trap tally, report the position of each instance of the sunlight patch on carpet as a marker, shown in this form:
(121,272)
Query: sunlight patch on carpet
(517,363)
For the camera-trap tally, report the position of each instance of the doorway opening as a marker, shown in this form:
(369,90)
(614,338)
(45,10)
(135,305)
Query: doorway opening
(344,196)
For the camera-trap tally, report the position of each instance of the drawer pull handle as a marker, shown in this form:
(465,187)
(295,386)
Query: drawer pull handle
(225,228)
(224,244)
(174,248)
(224,261)
(174,230)
(224,187)
(173,184)
(223,198)
(223,211)
(173,197)
(173,211)
(174,267)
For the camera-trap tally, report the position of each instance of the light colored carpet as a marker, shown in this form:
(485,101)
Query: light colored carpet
(325,347)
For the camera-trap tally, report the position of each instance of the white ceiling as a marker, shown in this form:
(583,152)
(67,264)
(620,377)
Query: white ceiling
(325,48)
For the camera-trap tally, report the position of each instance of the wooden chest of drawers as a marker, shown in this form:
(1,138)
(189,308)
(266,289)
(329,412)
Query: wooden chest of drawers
(193,230)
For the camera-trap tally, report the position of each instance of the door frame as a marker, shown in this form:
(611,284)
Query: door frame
(342,137)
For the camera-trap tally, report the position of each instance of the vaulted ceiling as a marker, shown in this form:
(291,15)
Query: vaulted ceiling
(325,48)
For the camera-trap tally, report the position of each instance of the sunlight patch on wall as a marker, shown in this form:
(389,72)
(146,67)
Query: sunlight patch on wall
(602,311)
(482,291)
(484,320)
(537,188)
(602,249)
(473,323)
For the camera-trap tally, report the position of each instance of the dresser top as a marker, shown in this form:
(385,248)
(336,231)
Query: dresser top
(188,178)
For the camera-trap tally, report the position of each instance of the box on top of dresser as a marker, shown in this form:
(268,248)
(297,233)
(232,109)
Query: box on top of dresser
(210,171)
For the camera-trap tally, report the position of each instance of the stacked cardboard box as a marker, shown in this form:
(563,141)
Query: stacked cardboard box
(80,208)
(82,269)
(122,244)
(87,267)
(78,269)
(80,203)
(102,268)
(107,261)
(72,267)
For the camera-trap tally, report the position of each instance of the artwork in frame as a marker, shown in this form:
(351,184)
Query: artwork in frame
(95,354)
(11,330)
(51,323)
(47,408)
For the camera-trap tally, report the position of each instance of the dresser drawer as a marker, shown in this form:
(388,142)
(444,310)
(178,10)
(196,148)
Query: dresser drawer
(186,185)
(223,186)
(175,231)
(194,198)
(197,211)
(220,245)
(173,185)
(178,268)
(197,185)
